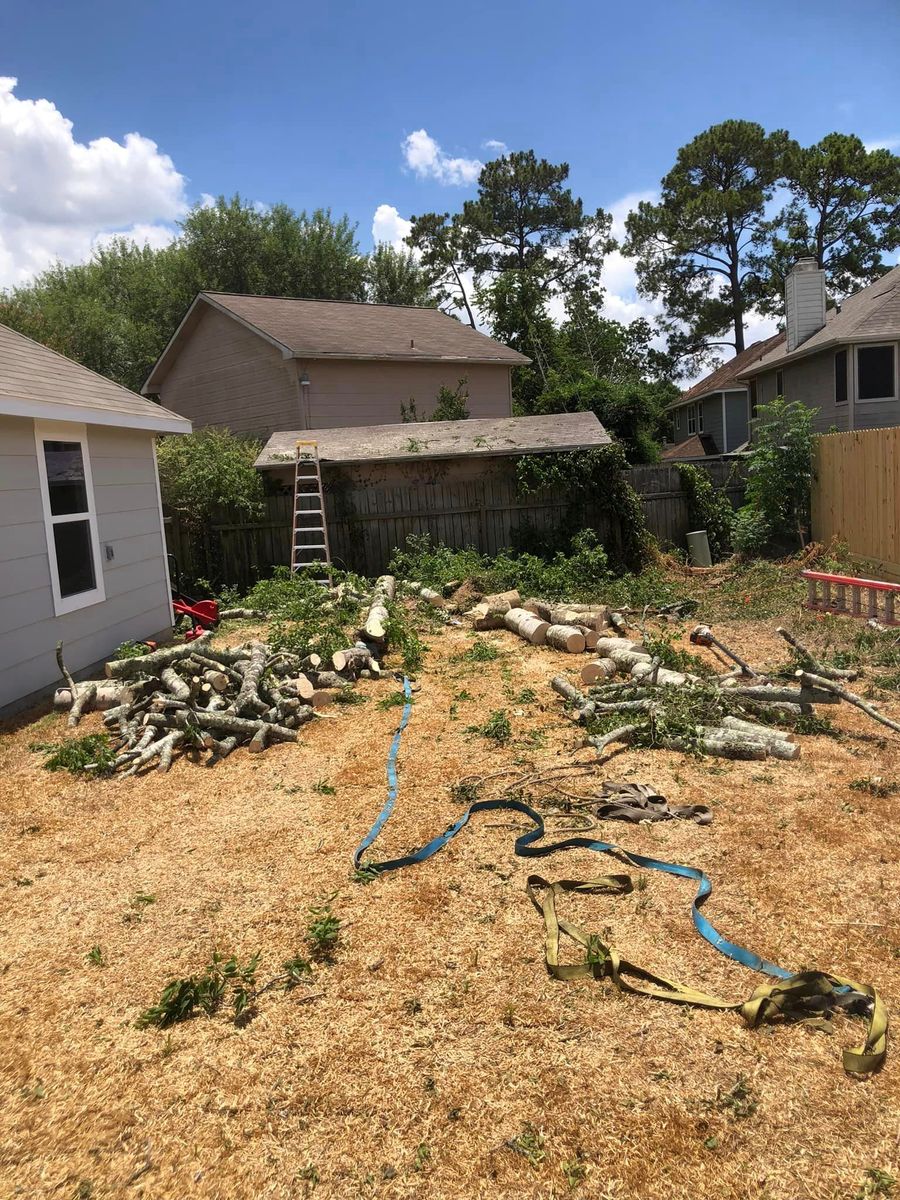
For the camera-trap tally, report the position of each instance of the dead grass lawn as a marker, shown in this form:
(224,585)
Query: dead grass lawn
(440,1060)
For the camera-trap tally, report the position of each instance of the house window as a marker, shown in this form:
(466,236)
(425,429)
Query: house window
(754,398)
(875,373)
(779,383)
(692,418)
(840,377)
(70,517)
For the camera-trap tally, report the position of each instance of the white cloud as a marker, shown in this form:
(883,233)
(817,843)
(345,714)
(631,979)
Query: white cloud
(59,197)
(494,145)
(888,143)
(388,226)
(425,157)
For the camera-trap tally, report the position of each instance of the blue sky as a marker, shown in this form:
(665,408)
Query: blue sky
(311,104)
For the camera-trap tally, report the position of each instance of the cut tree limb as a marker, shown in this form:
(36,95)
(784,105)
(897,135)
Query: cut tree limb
(248,696)
(83,699)
(818,668)
(818,681)
(149,664)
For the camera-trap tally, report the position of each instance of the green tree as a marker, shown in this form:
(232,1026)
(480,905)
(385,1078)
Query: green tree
(844,211)
(451,403)
(694,247)
(445,249)
(395,277)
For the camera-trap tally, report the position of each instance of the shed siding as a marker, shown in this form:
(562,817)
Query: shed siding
(371,393)
(137,601)
(229,377)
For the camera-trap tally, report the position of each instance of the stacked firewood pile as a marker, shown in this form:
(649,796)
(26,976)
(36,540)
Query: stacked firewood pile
(201,696)
(738,714)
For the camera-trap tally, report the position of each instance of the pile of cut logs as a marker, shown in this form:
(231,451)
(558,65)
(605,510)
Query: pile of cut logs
(572,628)
(198,695)
(739,694)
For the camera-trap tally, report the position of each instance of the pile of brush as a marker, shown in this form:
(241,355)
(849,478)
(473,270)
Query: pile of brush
(735,715)
(197,695)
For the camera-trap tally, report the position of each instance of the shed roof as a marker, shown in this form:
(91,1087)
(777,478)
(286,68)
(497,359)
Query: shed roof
(35,381)
(415,441)
(870,315)
(344,330)
(727,376)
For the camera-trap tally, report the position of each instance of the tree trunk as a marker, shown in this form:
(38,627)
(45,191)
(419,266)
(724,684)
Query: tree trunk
(148,664)
(248,696)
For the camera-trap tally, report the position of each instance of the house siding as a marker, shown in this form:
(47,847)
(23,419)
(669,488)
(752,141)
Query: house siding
(346,393)
(712,418)
(137,601)
(810,381)
(737,407)
(228,377)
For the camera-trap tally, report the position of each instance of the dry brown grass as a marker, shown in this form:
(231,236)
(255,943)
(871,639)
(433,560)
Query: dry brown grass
(438,1039)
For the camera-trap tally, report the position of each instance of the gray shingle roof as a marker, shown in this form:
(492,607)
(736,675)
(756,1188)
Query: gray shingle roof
(341,329)
(36,381)
(476,437)
(869,315)
(728,374)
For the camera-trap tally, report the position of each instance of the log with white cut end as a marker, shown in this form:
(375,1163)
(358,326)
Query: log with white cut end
(626,659)
(591,636)
(375,628)
(324,697)
(654,673)
(607,644)
(527,626)
(431,597)
(602,668)
(565,638)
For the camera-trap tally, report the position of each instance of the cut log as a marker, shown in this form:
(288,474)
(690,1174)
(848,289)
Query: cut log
(483,617)
(762,732)
(174,684)
(241,614)
(591,636)
(803,695)
(216,679)
(626,659)
(607,644)
(565,638)
(527,626)
(311,662)
(653,673)
(623,734)
(324,697)
(618,622)
(603,668)
(248,695)
(107,695)
(431,597)
(163,747)
(702,635)
(569,692)
(774,747)
(224,721)
(149,664)
(220,749)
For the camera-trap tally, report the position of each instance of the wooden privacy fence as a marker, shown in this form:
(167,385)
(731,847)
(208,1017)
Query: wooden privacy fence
(372,511)
(856,495)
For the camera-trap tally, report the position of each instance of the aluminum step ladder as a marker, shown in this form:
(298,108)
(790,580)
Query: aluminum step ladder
(309,545)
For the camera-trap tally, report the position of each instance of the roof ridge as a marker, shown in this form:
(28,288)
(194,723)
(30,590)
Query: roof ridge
(321,300)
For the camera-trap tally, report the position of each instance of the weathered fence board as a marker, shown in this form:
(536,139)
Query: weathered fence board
(856,495)
(371,513)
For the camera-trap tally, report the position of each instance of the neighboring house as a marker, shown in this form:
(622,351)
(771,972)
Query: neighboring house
(713,416)
(259,364)
(82,551)
(841,361)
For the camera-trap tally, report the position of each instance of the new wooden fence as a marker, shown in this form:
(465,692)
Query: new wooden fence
(370,513)
(856,495)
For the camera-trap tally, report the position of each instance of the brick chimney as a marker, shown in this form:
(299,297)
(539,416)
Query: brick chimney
(804,302)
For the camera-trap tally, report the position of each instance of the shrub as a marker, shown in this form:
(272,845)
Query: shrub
(750,532)
(780,468)
(304,617)
(708,509)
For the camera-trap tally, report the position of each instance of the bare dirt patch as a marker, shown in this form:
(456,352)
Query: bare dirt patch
(440,1059)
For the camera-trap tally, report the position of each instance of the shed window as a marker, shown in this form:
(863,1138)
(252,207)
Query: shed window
(875,372)
(840,377)
(69,516)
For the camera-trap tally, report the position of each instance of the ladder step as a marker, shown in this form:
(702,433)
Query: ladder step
(309,546)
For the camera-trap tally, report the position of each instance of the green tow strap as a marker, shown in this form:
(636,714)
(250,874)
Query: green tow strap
(804,996)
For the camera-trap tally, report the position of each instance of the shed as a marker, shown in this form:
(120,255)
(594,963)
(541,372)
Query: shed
(455,480)
(82,551)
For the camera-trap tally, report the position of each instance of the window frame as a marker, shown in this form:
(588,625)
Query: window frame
(691,419)
(59,431)
(779,384)
(873,346)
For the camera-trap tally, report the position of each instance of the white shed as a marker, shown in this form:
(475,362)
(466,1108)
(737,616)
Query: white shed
(82,548)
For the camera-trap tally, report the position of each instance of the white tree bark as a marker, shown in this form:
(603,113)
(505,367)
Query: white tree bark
(527,626)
